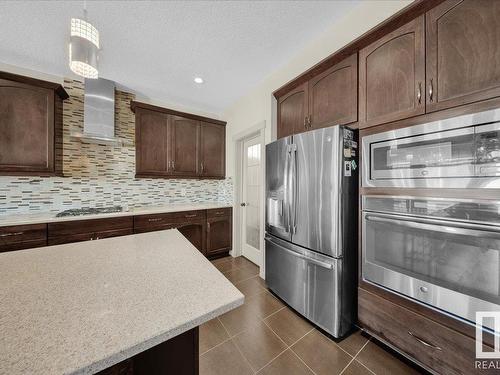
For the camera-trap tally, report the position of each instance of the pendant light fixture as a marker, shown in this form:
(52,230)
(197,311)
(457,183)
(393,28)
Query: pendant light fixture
(84,47)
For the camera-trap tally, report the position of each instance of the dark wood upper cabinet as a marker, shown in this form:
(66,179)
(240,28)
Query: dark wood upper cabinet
(333,95)
(292,111)
(213,150)
(392,76)
(151,129)
(185,146)
(463,53)
(329,98)
(174,144)
(30,111)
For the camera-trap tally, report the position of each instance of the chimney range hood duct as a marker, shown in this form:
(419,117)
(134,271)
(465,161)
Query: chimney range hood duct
(99,113)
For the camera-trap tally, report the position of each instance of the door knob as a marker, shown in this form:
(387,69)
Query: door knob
(243,204)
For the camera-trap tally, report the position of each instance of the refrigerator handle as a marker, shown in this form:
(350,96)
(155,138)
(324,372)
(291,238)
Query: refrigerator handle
(286,190)
(293,185)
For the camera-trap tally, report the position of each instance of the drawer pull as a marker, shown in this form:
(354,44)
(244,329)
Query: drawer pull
(192,215)
(423,342)
(11,234)
(156,219)
(219,213)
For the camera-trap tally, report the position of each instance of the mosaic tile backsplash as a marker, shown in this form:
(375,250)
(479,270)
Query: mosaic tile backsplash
(101,175)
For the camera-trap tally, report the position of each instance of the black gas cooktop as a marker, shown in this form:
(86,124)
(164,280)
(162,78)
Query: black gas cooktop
(90,211)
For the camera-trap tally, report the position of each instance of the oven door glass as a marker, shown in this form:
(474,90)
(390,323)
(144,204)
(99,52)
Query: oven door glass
(451,265)
(443,154)
(488,150)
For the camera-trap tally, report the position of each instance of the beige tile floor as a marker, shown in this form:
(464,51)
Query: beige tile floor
(263,336)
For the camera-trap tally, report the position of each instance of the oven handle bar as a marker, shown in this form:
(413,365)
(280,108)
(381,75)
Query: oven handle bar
(301,256)
(443,226)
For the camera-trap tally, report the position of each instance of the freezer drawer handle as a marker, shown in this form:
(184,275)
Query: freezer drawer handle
(298,255)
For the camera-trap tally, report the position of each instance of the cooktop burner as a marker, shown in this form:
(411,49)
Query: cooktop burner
(90,211)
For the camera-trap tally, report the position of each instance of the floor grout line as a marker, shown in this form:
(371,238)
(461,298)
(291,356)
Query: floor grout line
(289,347)
(274,313)
(301,360)
(271,361)
(345,368)
(237,347)
(359,351)
(239,282)
(213,347)
(354,358)
(338,346)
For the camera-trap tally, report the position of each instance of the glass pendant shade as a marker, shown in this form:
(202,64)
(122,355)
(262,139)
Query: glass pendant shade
(83,48)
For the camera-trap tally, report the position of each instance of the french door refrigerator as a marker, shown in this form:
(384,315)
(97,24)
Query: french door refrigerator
(311,225)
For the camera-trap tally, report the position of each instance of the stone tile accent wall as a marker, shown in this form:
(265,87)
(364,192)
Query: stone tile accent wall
(97,175)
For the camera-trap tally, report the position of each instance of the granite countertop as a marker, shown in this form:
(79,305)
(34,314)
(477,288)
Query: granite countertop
(50,217)
(81,307)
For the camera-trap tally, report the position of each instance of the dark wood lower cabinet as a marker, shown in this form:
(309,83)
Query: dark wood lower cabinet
(195,233)
(19,237)
(219,234)
(435,346)
(210,231)
(179,356)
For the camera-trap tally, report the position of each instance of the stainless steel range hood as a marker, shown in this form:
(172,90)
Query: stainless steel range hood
(99,113)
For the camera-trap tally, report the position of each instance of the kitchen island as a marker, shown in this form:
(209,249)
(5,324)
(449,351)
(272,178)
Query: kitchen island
(133,301)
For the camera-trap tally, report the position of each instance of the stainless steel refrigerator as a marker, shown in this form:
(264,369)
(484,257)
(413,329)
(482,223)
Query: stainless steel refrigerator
(311,225)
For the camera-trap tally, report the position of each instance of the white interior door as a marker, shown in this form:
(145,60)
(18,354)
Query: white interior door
(250,202)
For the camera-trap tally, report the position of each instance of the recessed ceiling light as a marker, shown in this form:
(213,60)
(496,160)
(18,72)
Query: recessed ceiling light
(198,79)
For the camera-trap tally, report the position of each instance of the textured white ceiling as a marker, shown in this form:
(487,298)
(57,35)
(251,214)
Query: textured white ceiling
(155,48)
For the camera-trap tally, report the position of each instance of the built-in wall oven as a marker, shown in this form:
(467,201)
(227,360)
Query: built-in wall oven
(444,253)
(460,152)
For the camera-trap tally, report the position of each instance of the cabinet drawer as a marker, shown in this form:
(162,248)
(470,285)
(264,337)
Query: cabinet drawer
(91,226)
(22,237)
(152,228)
(435,346)
(167,220)
(89,236)
(216,212)
(189,215)
(158,221)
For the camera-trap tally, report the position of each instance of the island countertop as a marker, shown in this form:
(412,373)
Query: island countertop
(82,307)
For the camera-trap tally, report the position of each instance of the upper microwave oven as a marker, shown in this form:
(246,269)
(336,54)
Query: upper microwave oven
(459,152)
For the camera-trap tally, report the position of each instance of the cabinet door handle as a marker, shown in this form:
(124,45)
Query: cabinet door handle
(156,219)
(309,121)
(419,93)
(173,165)
(305,122)
(11,234)
(423,342)
(431,91)
(202,167)
(192,215)
(208,227)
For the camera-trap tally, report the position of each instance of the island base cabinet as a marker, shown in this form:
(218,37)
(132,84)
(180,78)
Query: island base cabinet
(179,356)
